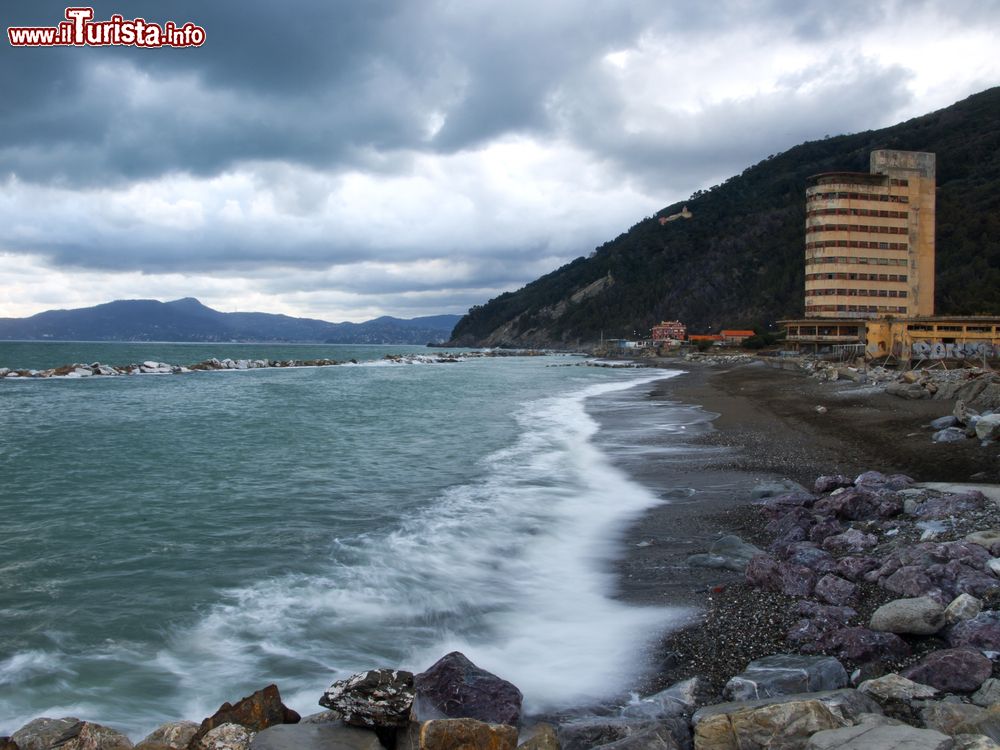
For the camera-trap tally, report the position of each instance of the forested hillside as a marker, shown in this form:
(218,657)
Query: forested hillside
(738,261)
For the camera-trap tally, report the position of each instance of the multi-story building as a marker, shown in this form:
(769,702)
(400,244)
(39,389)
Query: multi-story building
(870,239)
(669,329)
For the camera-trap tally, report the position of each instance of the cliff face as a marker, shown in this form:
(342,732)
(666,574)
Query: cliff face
(737,260)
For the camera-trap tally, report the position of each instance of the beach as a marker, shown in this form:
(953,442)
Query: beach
(762,425)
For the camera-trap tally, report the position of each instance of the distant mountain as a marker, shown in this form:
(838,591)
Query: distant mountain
(189,320)
(736,260)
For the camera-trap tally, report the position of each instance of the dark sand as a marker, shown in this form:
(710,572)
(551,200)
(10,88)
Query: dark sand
(767,428)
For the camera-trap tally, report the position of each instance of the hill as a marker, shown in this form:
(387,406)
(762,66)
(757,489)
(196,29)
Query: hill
(189,320)
(738,261)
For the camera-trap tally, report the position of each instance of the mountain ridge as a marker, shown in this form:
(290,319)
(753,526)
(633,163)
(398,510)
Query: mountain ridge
(187,319)
(738,260)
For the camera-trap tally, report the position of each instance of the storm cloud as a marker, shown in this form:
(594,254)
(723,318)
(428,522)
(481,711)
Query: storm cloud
(339,159)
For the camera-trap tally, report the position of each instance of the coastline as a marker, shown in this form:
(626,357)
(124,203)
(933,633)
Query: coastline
(763,426)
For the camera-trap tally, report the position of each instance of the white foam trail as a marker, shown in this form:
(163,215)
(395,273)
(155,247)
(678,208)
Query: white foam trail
(511,569)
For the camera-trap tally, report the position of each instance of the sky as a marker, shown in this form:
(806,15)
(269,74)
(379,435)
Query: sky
(345,160)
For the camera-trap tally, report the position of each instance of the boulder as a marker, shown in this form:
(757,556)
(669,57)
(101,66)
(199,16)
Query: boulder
(988,427)
(836,591)
(861,645)
(786,674)
(987,538)
(943,508)
(919,616)
(981,631)
(893,687)
(943,423)
(854,567)
(41,734)
(255,712)
(315,737)
(763,571)
(85,735)
(987,723)
(176,734)
(654,738)
(225,737)
(455,688)
(954,670)
(851,541)
(376,698)
(541,737)
(949,717)
(974,742)
(810,556)
(879,736)
(855,504)
(680,698)
(728,553)
(596,731)
(825,528)
(832,482)
(772,489)
(949,435)
(962,607)
(777,723)
(321,717)
(988,694)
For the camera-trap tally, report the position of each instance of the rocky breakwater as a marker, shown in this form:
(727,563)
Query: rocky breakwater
(152,367)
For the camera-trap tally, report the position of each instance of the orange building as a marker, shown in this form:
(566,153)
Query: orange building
(669,329)
(735,337)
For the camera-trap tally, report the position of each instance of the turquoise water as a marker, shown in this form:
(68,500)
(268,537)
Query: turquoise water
(170,543)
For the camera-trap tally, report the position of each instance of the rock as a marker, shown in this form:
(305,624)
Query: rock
(809,555)
(763,571)
(771,489)
(41,734)
(226,737)
(654,738)
(255,712)
(829,483)
(786,674)
(893,687)
(860,645)
(315,737)
(973,742)
(943,423)
(728,553)
(321,717)
(85,735)
(176,734)
(777,723)
(987,538)
(919,616)
(988,427)
(962,607)
(780,504)
(949,435)
(950,505)
(962,412)
(595,731)
(911,581)
(850,541)
(377,698)
(988,694)
(981,631)
(854,567)
(455,688)
(855,504)
(987,723)
(876,736)
(449,734)
(954,670)
(947,717)
(824,529)
(835,590)
(541,737)
(680,698)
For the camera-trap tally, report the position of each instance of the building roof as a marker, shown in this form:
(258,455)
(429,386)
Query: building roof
(734,332)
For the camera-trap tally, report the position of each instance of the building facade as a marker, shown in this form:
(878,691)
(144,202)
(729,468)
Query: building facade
(869,250)
(669,329)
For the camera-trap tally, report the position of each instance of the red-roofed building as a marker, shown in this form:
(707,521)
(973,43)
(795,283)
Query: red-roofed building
(735,337)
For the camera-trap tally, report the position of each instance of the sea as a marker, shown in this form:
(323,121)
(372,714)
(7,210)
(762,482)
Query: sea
(171,542)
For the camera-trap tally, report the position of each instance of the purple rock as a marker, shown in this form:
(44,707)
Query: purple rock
(899,482)
(871,477)
(859,644)
(950,505)
(953,670)
(854,567)
(824,528)
(890,505)
(455,688)
(851,505)
(774,506)
(835,590)
(824,612)
(796,518)
(982,631)
(832,482)
(810,556)
(851,540)
(910,581)
(763,571)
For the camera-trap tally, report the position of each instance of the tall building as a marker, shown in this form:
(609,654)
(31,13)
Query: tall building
(870,239)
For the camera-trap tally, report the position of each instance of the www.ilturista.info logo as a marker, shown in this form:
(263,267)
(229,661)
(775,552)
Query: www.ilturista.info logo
(80,30)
